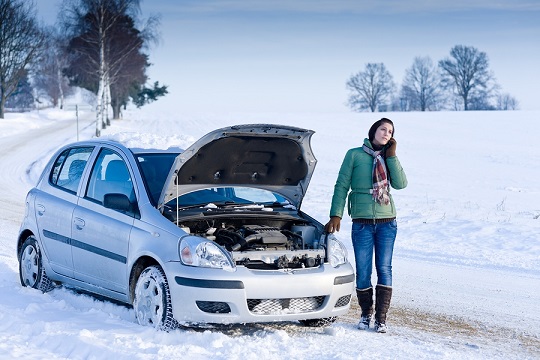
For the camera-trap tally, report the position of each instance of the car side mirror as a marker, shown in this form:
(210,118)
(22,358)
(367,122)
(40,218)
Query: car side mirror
(118,202)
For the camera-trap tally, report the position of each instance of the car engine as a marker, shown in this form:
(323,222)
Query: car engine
(269,246)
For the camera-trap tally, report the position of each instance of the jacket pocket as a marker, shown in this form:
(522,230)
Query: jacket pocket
(360,205)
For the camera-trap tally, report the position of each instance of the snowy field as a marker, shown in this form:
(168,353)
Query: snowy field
(466,263)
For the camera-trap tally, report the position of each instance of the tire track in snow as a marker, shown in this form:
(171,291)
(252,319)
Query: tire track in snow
(459,331)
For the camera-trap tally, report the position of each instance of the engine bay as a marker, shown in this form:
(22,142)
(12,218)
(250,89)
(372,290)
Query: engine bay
(264,244)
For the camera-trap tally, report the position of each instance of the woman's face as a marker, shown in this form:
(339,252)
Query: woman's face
(383,134)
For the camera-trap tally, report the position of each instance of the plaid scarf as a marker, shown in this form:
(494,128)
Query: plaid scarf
(380,178)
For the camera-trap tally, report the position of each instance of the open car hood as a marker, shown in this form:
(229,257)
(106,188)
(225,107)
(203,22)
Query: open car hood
(273,157)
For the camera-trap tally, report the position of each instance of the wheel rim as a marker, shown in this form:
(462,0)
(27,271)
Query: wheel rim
(29,266)
(149,300)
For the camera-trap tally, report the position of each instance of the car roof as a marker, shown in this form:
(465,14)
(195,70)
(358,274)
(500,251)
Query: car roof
(171,150)
(134,149)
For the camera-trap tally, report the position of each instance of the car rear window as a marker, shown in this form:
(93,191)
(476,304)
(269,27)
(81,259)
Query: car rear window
(68,168)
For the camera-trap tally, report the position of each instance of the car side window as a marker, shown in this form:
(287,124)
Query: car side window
(110,175)
(68,168)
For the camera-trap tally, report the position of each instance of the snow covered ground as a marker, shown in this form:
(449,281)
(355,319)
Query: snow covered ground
(466,263)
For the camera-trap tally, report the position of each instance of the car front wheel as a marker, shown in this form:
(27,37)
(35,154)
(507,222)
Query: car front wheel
(152,302)
(31,271)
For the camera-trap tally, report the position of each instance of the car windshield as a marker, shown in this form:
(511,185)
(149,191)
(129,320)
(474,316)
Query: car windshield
(154,169)
(231,196)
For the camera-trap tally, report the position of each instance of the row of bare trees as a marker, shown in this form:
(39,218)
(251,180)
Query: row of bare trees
(461,81)
(98,45)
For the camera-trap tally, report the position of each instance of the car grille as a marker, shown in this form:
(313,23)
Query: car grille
(343,301)
(214,307)
(277,306)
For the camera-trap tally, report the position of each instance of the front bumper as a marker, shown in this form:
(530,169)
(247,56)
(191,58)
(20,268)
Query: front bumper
(201,295)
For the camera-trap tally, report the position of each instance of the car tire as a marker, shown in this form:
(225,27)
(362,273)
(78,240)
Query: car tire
(31,271)
(152,300)
(318,322)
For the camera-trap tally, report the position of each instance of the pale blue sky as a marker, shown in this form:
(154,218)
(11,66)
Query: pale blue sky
(296,55)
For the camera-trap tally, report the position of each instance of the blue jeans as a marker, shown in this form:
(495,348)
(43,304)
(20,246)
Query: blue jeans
(370,238)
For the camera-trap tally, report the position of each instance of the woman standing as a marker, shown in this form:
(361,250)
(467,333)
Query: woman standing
(368,172)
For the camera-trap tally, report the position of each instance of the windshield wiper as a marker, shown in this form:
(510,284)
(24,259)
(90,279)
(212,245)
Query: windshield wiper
(186,207)
(277,204)
(231,204)
(209,205)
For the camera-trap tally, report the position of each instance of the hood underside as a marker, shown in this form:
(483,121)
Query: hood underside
(273,157)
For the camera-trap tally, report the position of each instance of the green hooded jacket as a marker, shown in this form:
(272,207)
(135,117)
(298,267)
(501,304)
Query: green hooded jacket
(355,174)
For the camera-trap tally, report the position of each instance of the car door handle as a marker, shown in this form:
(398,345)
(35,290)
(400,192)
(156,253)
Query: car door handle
(40,209)
(79,223)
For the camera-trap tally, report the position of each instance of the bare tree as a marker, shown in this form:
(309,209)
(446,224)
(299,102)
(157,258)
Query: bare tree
(421,85)
(48,77)
(466,71)
(507,102)
(20,43)
(371,88)
(106,49)
(92,23)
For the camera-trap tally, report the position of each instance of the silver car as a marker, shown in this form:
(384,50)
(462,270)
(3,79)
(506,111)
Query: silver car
(212,234)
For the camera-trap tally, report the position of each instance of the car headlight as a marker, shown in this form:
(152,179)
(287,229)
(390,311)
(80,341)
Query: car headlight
(337,254)
(203,253)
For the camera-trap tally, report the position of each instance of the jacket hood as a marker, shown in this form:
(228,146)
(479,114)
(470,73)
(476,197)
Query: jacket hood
(273,157)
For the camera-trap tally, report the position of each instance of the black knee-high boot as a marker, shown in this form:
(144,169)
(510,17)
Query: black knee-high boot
(383,295)
(365,300)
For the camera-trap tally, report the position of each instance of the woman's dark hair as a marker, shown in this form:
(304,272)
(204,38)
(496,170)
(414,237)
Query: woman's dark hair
(375,126)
